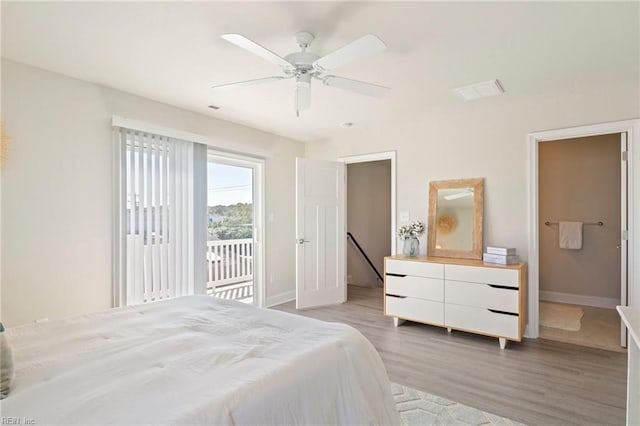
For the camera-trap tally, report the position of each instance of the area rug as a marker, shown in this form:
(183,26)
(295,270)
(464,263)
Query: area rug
(557,315)
(418,408)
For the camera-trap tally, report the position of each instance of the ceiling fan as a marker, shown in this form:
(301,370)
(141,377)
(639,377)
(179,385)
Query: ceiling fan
(305,65)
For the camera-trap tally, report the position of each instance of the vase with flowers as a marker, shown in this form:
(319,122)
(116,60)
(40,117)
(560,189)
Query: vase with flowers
(409,234)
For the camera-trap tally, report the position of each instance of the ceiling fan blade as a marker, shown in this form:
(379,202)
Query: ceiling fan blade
(247,82)
(256,49)
(303,97)
(364,46)
(356,86)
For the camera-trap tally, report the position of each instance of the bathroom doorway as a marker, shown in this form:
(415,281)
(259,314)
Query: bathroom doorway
(582,202)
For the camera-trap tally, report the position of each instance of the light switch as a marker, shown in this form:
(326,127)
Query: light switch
(271,219)
(404,216)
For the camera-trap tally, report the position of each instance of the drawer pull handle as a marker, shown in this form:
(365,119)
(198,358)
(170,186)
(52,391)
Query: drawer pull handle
(506,287)
(396,275)
(398,297)
(495,311)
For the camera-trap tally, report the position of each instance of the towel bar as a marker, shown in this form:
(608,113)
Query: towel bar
(601,223)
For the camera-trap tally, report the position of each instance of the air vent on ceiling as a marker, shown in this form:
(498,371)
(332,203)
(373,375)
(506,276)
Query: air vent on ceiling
(479,90)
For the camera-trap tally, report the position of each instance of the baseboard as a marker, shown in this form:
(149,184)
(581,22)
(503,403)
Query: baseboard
(578,299)
(366,285)
(287,296)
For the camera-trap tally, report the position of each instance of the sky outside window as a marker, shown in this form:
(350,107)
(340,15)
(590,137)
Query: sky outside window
(227,185)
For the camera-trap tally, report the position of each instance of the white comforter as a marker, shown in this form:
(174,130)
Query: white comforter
(196,360)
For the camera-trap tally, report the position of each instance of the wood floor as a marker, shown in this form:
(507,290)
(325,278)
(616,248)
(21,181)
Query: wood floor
(536,382)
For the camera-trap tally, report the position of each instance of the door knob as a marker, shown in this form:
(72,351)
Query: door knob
(302,241)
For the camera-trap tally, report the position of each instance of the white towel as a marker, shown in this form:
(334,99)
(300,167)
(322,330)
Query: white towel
(570,235)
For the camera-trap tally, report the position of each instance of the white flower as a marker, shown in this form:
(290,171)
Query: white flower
(412,230)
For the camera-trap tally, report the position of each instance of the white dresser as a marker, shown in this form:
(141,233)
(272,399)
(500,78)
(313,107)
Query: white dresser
(466,295)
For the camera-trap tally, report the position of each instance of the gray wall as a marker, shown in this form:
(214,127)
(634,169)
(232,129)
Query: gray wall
(580,180)
(368,218)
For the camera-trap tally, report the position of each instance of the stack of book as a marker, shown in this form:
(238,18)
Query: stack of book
(500,255)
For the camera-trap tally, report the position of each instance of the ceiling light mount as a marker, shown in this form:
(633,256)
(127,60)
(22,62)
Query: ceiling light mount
(304,39)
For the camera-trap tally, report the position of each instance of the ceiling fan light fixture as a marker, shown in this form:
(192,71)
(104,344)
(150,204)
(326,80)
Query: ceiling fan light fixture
(303,79)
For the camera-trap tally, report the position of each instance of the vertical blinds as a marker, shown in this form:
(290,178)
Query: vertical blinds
(156,223)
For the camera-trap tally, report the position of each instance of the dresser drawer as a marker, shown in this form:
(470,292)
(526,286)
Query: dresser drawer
(482,296)
(411,308)
(420,287)
(415,268)
(477,274)
(482,321)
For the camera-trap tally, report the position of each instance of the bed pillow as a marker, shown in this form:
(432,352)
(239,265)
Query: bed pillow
(6,365)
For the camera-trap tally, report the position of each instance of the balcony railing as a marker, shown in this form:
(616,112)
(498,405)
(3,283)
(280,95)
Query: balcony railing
(229,262)
(229,266)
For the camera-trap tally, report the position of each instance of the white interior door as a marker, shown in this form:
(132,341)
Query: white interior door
(623,235)
(320,233)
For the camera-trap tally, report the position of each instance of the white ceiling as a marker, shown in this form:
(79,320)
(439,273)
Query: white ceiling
(171,52)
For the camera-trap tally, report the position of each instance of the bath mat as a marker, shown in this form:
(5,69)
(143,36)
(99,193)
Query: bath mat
(564,317)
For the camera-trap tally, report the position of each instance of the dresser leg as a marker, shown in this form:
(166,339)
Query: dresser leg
(503,342)
(397,321)
(449,330)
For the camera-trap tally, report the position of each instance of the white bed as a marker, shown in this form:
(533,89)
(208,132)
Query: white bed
(196,360)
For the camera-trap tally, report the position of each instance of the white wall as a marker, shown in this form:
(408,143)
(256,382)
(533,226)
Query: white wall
(56,191)
(484,138)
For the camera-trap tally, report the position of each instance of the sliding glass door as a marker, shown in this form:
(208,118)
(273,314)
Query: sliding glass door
(188,221)
(234,221)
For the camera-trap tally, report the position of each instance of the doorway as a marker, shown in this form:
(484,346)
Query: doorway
(321,229)
(629,242)
(370,217)
(580,183)
(234,227)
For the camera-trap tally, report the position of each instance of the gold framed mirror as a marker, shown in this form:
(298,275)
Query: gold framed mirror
(456,209)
